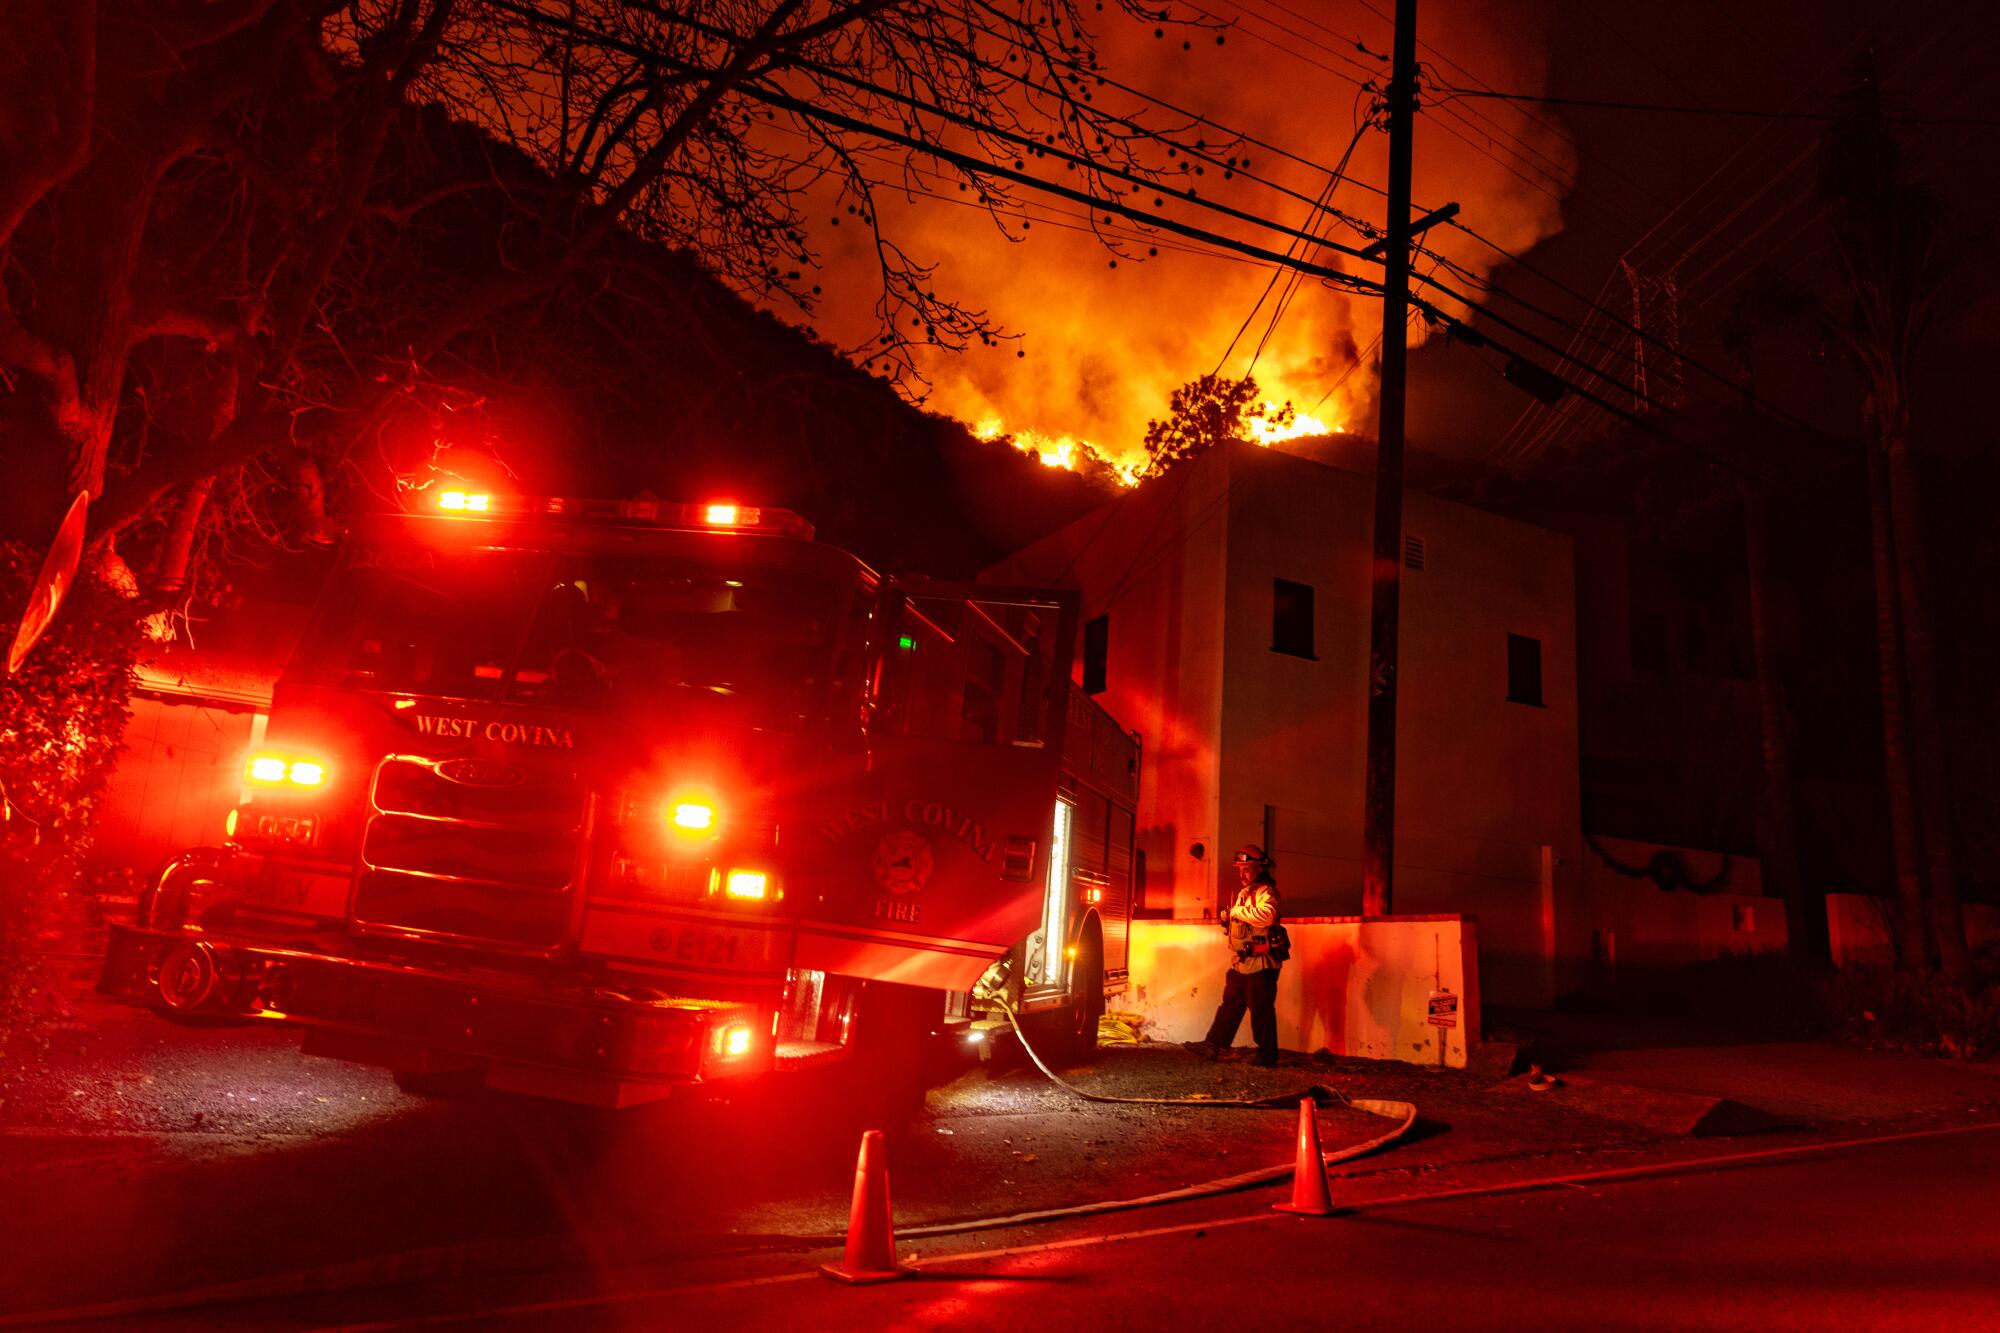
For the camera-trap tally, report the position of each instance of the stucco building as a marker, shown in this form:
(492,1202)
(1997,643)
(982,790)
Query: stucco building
(1226,619)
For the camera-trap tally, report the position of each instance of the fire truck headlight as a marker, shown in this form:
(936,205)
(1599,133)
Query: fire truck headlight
(753,884)
(692,816)
(276,770)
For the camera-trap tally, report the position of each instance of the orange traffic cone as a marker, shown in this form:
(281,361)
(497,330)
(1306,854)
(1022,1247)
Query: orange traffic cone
(1310,1195)
(871,1237)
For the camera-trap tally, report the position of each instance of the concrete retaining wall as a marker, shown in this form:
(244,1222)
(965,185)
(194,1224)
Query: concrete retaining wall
(1355,986)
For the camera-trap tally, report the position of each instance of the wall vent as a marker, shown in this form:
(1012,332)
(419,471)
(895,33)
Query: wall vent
(1413,551)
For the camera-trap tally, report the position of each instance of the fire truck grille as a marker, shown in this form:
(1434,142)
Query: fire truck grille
(491,864)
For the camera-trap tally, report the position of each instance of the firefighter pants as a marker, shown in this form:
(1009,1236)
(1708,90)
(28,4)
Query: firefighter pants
(1257,992)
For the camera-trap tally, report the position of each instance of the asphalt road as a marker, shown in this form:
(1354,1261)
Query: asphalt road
(139,1160)
(1894,1234)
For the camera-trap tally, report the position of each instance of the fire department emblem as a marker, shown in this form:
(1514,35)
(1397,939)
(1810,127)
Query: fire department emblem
(903,862)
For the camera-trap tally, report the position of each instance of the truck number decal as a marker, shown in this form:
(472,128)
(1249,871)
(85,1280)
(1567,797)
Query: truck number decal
(695,944)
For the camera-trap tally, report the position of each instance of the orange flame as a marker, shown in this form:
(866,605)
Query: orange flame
(1075,454)
(1068,452)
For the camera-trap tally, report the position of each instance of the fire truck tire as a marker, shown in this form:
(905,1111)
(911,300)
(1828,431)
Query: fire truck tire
(1075,1040)
(441,1083)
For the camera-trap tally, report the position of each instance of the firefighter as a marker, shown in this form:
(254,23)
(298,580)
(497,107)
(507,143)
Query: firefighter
(1252,981)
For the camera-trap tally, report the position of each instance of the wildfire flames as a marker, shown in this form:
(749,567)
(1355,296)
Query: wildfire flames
(1113,317)
(1074,454)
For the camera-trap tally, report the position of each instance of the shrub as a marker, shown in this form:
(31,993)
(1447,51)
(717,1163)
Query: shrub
(1773,995)
(61,718)
(1919,1011)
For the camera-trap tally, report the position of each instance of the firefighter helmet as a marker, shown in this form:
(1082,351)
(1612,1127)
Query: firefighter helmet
(1252,855)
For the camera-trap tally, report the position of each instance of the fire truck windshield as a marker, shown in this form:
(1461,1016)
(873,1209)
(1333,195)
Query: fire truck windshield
(577,631)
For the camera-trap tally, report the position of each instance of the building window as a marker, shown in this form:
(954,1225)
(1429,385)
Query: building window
(1096,642)
(1524,670)
(1292,618)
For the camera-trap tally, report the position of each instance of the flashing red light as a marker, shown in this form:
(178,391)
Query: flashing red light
(734,1039)
(747,884)
(267,768)
(720,514)
(307,774)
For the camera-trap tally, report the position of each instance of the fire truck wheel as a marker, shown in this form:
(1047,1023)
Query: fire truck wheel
(1076,1040)
(441,1082)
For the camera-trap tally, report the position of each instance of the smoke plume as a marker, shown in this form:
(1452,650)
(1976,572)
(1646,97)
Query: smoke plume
(1107,337)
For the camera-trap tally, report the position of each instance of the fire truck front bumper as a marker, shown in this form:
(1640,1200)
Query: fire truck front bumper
(523,1033)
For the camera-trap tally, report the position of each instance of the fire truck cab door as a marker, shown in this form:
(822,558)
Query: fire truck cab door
(928,857)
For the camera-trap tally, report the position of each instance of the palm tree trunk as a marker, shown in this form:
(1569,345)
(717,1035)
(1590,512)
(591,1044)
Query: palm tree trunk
(1912,951)
(1777,817)
(1947,917)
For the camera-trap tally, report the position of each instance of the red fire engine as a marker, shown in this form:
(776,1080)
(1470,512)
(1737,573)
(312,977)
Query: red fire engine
(591,800)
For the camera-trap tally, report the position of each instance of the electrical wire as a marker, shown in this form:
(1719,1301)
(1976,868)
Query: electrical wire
(1320,205)
(972,164)
(1750,113)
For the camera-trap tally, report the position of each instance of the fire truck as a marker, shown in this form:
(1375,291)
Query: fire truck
(595,800)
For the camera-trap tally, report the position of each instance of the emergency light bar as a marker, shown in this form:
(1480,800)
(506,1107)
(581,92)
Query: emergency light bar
(715,516)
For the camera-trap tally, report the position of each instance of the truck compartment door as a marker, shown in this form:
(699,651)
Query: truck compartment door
(931,859)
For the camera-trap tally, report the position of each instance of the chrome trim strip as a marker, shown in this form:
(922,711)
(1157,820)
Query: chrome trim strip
(579,834)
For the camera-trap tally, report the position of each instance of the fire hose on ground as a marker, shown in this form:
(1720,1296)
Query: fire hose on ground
(1404,1114)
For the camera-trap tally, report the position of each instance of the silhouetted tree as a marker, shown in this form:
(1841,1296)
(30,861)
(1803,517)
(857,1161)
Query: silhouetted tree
(204,205)
(1204,413)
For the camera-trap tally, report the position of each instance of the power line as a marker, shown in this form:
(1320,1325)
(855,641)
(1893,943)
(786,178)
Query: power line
(1291,275)
(971,164)
(1551,126)
(1292,51)
(1339,52)
(976,166)
(1748,113)
(1557,425)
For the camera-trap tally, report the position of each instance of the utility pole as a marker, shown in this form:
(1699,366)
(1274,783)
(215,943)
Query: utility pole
(1378,815)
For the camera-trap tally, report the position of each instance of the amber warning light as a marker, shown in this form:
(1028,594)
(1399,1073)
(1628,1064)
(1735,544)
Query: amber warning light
(745,516)
(274,770)
(693,816)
